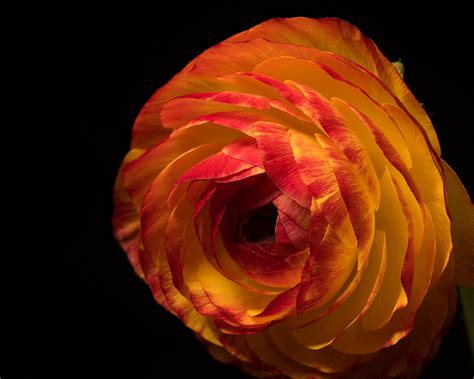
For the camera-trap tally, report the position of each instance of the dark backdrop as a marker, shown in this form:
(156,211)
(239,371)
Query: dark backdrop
(108,324)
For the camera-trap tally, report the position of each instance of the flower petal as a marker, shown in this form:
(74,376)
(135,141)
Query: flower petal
(391,296)
(462,216)
(328,267)
(279,162)
(360,340)
(327,116)
(126,220)
(140,173)
(342,38)
(432,322)
(322,332)
(318,175)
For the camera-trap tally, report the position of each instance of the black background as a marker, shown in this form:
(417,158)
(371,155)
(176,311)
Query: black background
(108,324)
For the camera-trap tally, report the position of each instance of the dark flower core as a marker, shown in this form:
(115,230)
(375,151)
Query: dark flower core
(259,225)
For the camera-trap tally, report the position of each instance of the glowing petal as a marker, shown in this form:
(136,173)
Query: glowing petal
(462,216)
(329,265)
(140,173)
(279,162)
(344,39)
(322,332)
(391,296)
(126,220)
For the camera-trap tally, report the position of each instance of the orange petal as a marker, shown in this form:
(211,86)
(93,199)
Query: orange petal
(182,111)
(308,74)
(462,217)
(329,265)
(177,237)
(327,116)
(389,151)
(155,212)
(391,219)
(432,322)
(322,361)
(255,369)
(216,296)
(152,275)
(444,243)
(359,127)
(360,341)
(125,220)
(264,348)
(354,194)
(342,38)
(185,310)
(322,332)
(140,173)
(426,167)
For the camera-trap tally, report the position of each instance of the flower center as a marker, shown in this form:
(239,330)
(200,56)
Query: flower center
(259,225)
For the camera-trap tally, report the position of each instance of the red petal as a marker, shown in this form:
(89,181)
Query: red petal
(279,162)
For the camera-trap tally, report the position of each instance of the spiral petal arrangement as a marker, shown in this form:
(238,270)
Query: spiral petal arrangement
(284,196)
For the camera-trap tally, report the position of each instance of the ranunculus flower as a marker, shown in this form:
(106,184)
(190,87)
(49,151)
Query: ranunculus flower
(285,197)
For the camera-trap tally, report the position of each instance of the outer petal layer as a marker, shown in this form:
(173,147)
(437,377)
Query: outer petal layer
(462,217)
(285,198)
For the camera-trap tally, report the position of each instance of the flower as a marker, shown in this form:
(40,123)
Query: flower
(284,196)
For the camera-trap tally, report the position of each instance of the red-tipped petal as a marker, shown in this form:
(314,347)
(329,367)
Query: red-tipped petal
(279,162)
(126,220)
